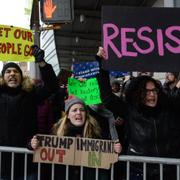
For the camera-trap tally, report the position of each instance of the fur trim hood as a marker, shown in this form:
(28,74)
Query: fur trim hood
(27,83)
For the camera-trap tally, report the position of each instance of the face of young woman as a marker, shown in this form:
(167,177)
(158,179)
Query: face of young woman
(77,115)
(151,95)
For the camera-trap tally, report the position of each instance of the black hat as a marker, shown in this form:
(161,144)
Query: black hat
(13,65)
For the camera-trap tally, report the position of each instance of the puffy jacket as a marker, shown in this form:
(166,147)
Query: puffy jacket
(18,108)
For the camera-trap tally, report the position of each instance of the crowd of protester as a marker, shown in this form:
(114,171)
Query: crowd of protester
(140,115)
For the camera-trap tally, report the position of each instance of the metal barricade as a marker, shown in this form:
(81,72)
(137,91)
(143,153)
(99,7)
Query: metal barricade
(13,151)
(150,160)
(123,158)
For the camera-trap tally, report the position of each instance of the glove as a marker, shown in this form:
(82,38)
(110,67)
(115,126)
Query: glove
(37,53)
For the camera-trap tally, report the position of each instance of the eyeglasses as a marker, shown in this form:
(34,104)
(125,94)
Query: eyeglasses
(154,91)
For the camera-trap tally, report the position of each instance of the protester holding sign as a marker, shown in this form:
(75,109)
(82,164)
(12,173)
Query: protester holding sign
(88,91)
(77,123)
(18,103)
(149,115)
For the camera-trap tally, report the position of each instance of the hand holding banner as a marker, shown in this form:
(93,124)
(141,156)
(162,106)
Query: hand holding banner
(94,153)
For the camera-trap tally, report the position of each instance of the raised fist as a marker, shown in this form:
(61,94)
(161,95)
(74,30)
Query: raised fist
(37,53)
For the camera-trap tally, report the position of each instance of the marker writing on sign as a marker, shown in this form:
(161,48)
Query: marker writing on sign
(95,145)
(55,142)
(17,34)
(165,39)
(8,47)
(49,154)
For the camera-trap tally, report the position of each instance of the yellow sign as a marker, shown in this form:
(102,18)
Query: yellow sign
(15,44)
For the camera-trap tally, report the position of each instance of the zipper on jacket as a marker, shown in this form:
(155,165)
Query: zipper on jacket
(155,132)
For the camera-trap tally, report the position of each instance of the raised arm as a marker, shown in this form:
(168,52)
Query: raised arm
(111,101)
(47,73)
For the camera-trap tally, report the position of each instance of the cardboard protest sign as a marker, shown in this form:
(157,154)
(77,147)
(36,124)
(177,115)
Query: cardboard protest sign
(95,153)
(87,90)
(85,69)
(141,38)
(53,149)
(15,44)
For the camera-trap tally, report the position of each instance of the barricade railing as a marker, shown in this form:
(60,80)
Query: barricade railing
(150,160)
(123,158)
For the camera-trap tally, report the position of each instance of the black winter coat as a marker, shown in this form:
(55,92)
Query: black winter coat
(149,130)
(18,116)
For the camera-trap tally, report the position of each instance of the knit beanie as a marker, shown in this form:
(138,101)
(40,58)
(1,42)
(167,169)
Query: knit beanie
(11,65)
(71,101)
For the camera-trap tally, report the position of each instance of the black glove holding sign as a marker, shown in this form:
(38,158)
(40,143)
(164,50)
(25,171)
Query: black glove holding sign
(38,54)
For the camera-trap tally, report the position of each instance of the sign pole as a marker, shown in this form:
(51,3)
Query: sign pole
(34,70)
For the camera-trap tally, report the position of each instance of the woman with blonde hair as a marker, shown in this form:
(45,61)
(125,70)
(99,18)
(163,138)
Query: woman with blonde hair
(77,123)
(72,124)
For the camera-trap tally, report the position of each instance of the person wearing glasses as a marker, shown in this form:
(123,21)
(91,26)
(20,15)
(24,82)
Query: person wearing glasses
(149,115)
